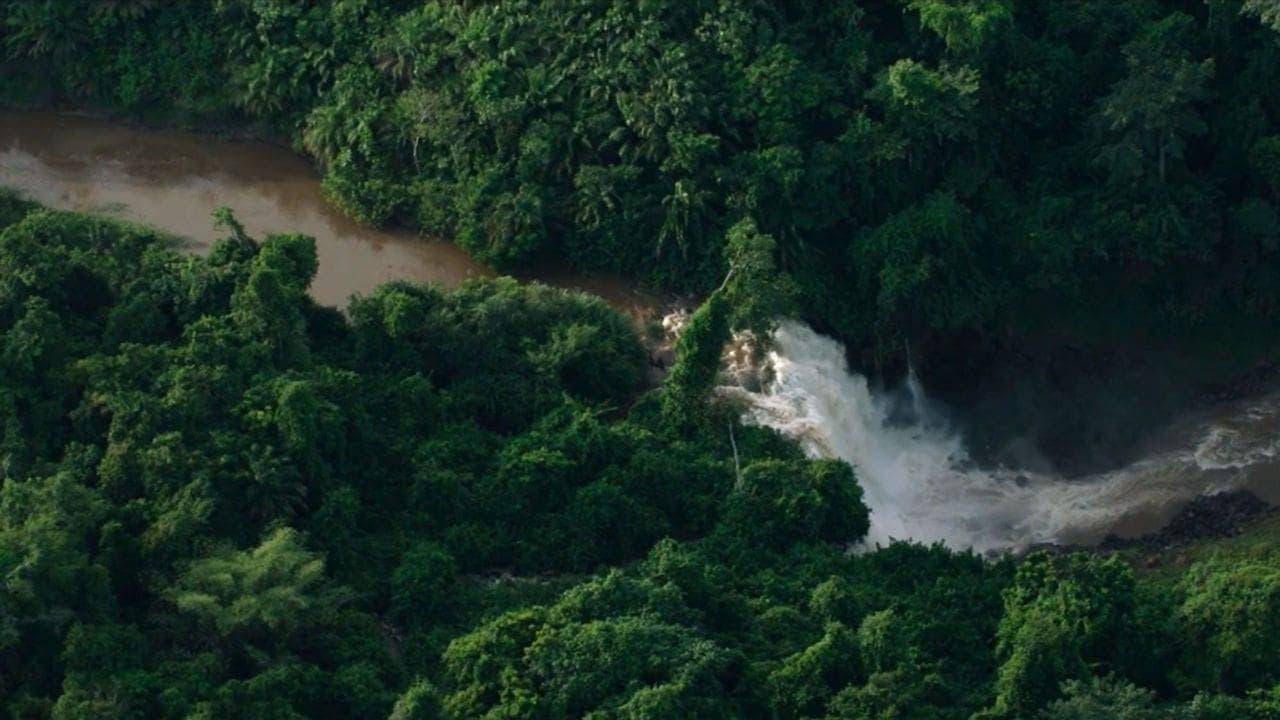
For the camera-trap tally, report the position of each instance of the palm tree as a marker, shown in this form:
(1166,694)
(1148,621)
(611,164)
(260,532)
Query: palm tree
(49,29)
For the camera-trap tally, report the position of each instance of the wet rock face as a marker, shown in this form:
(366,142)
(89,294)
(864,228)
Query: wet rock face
(1251,382)
(1208,516)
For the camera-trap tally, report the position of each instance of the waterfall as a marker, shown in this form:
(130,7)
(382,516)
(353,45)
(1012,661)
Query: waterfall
(921,484)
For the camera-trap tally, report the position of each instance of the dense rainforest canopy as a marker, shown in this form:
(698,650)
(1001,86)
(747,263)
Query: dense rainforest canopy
(220,500)
(1005,189)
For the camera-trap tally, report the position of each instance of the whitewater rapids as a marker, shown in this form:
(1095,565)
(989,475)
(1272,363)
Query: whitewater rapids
(921,484)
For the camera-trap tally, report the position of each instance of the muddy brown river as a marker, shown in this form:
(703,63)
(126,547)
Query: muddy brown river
(173,180)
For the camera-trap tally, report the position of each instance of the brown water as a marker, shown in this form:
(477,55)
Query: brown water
(174,180)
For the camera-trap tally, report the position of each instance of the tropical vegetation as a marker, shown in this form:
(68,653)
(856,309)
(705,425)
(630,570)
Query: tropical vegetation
(219,499)
(1028,200)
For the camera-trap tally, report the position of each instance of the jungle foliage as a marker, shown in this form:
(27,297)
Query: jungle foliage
(1047,203)
(218,499)
(948,174)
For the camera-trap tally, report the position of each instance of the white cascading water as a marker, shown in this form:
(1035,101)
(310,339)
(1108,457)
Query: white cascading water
(921,484)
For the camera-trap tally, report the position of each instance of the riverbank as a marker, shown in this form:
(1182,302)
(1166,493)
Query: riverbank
(1207,517)
(174,179)
(1205,520)
(228,128)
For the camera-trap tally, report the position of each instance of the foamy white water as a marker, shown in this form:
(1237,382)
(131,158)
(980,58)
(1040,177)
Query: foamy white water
(920,482)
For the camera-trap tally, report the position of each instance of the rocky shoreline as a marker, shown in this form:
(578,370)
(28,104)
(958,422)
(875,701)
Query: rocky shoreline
(1220,515)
